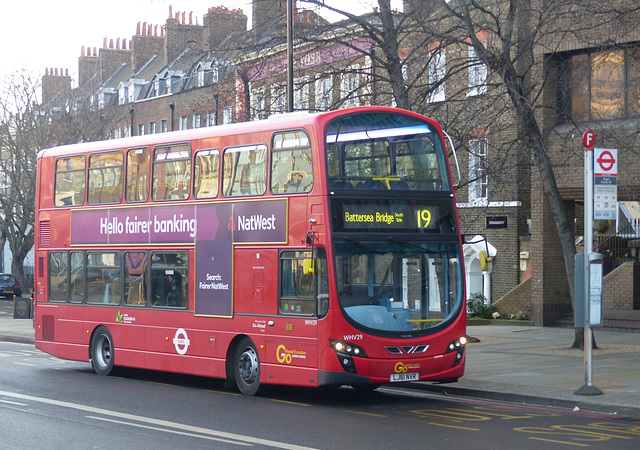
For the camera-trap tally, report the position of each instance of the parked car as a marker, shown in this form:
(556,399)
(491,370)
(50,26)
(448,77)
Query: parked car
(9,286)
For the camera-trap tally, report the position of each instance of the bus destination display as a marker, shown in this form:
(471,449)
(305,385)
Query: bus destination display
(387,216)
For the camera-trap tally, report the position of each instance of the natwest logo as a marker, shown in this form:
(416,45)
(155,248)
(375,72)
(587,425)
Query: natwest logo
(256,222)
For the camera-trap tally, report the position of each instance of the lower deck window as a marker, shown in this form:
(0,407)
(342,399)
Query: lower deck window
(169,279)
(120,278)
(303,283)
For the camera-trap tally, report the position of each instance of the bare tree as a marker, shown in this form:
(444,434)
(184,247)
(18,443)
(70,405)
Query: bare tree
(21,136)
(507,37)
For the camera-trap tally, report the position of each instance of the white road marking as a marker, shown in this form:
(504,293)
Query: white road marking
(158,422)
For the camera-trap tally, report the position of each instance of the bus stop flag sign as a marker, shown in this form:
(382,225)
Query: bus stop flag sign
(605,183)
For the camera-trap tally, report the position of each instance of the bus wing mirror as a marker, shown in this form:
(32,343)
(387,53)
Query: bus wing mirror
(455,158)
(308,266)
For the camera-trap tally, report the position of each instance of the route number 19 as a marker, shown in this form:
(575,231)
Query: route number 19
(424,218)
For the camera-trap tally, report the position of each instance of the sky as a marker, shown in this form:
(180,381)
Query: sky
(39,34)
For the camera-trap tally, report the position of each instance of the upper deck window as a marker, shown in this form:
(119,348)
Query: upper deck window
(70,176)
(245,171)
(138,175)
(385,151)
(206,174)
(105,178)
(291,163)
(171,172)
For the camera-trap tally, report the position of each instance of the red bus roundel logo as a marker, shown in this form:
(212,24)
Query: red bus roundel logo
(606,161)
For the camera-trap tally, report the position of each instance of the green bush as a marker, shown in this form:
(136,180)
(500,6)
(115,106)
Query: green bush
(476,307)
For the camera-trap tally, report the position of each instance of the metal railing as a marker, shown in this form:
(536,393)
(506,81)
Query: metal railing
(618,248)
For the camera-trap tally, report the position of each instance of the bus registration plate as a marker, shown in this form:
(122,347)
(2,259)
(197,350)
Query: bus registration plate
(411,376)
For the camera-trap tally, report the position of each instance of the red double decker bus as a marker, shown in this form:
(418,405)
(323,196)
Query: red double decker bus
(312,250)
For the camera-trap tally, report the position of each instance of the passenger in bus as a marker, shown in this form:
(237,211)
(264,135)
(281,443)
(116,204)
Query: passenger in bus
(294,182)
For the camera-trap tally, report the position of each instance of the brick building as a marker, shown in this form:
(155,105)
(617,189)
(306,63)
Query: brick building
(188,75)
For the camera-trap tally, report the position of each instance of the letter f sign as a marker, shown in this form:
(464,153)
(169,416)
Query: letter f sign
(589,139)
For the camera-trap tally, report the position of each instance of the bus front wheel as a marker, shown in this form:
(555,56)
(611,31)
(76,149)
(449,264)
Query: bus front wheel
(246,367)
(101,351)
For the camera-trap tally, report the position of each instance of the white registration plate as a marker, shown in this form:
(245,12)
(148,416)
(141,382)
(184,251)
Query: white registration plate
(411,376)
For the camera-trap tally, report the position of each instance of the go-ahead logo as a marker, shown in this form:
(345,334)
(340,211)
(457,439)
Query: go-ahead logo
(285,356)
(404,368)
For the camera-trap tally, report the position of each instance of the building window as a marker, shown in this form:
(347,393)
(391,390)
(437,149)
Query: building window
(211,118)
(183,123)
(478,179)
(349,89)
(164,126)
(437,73)
(201,77)
(278,99)
(301,95)
(196,121)
(140,129)
(131,93)
(477,73)
(257,103)
(324,94)
(152,128)
(599,86)
(227,115)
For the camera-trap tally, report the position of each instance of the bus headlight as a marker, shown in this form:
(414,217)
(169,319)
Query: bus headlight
(457,346)
(346,351)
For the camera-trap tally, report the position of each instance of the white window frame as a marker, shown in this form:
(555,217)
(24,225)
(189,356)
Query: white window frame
(301,94)
(164,126)
(152,128)
(257,103)
(211,118)
(437,74)
(324,93)
(227,115)
(478,177)
(183,123)
(195,121)
(349,88)
(278,99)
(477,73)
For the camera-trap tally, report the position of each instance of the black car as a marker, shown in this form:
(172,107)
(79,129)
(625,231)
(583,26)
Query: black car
(9,286)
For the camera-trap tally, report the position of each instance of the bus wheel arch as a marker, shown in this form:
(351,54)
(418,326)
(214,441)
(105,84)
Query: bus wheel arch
(101,351)
(243,365)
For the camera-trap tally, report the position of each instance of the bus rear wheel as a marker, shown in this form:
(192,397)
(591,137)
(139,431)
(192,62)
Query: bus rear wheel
(101,351)
(246,367)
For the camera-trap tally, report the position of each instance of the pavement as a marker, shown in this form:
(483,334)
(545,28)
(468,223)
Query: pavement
(522,364)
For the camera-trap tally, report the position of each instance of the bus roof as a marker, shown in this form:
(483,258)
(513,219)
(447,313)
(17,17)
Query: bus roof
(280,121)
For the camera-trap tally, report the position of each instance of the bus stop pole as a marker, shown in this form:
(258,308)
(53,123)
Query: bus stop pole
(588,388)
